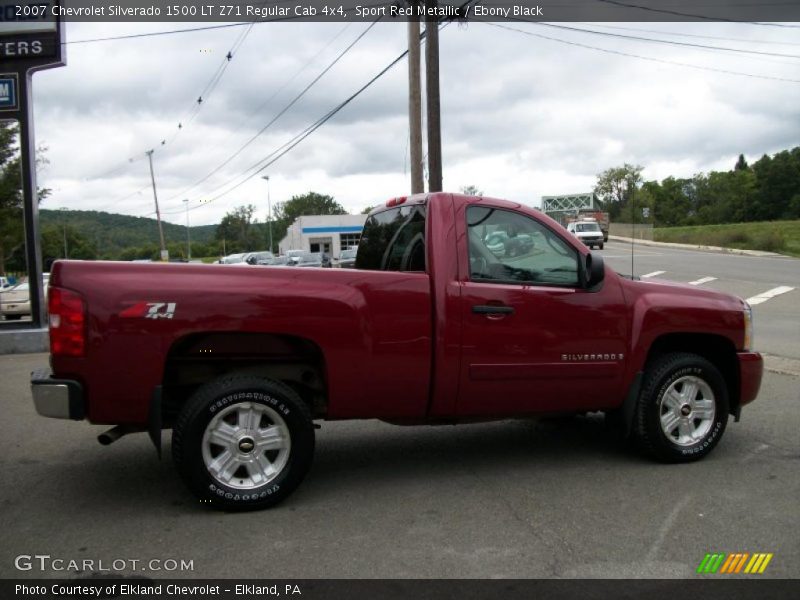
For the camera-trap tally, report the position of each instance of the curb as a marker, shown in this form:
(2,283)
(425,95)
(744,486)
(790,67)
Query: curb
(24,341)
(781,365)
(721,249)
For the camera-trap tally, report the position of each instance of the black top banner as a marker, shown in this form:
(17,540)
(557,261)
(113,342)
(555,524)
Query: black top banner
(33,13)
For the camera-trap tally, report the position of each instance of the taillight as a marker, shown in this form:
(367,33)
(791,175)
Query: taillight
(67,322)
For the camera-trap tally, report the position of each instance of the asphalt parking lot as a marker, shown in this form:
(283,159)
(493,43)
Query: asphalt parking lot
(512,499)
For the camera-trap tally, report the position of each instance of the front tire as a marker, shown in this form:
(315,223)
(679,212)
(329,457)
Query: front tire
(243,443)
(683,408)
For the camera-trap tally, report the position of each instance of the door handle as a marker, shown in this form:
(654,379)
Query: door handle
(490,309)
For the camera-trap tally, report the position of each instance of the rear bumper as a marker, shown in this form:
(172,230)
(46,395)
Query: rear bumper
(751,369)
(57,398)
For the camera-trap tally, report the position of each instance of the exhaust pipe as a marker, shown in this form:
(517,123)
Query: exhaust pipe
(113,434)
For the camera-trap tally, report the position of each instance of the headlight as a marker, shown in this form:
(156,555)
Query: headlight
(748,327)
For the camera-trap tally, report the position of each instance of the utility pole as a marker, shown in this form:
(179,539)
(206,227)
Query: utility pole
(64,229)
(432,85)
(164,252)
(188,235)
(633,224)
(269,213)
(414,105)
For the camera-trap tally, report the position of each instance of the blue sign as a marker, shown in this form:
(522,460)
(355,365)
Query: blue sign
(8,92)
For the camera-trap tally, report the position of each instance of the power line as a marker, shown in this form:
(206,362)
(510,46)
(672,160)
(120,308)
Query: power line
(297,73)
(690,15)
(280,113)
(205,94)
(649,58)
(670,42)
(690,35)
(196,105)
(284,149)
(154,33)
(275,156)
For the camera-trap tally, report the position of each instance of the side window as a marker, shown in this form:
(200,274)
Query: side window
(508,247)
(394,240)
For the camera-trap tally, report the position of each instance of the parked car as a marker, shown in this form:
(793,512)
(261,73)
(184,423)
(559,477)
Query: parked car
(275,261)
(500,243)
(233,259)
(15,302)
(312,259)
(588,232)
(347,258)
(255,258)
(294,255)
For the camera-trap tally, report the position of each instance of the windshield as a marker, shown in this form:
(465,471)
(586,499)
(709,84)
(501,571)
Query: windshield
(587,227)
(349,254)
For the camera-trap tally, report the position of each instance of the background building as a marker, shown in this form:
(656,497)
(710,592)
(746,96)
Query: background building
(323,233)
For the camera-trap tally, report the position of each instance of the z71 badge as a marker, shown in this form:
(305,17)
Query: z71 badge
(150,310)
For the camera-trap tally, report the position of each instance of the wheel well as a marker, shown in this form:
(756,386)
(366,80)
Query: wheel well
(199,358)
(716,349)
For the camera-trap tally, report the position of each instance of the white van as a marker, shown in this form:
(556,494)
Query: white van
(588,232)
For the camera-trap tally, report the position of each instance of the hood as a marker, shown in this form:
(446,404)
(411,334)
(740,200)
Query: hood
(690,294)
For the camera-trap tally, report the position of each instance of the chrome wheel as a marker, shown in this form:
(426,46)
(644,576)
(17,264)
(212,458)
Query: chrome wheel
(246,445)
(687,410)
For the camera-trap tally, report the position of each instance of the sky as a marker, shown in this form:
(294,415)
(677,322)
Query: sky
(537,111)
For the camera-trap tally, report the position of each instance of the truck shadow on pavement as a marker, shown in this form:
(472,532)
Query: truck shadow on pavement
(353,457)
(393,456)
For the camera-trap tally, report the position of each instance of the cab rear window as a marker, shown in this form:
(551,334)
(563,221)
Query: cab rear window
(394,240)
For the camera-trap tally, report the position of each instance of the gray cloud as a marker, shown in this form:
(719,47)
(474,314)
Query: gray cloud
(521,116)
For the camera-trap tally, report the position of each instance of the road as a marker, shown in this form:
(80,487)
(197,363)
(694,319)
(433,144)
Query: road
(507,499)
(777,319)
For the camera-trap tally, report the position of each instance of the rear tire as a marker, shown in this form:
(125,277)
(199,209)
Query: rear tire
(600,246)
(683,408)
(243,443)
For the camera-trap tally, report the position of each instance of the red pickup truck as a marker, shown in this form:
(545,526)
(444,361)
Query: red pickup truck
(432,326)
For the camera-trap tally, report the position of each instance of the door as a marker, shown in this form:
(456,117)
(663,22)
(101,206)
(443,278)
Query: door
(533,339)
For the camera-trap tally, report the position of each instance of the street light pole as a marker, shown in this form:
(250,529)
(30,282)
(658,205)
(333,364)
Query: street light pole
(188,236)
(269,213)
(64,230)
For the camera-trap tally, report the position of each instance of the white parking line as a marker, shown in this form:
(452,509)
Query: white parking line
(702,281)
(653,274)
(764,296)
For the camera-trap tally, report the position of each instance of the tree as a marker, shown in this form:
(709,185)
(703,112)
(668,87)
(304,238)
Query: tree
(741,164)
(238,232)
(471,190)
(777,182)
(616,185)
(367,210)
(12,239)
(78,245)
(311,203)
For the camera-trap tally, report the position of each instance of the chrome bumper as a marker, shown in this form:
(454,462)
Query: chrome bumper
(57,398)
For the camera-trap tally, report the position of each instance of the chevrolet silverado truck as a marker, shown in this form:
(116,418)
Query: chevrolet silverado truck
(431,327)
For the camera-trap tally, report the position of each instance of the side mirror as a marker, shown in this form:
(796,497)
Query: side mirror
(593,271)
